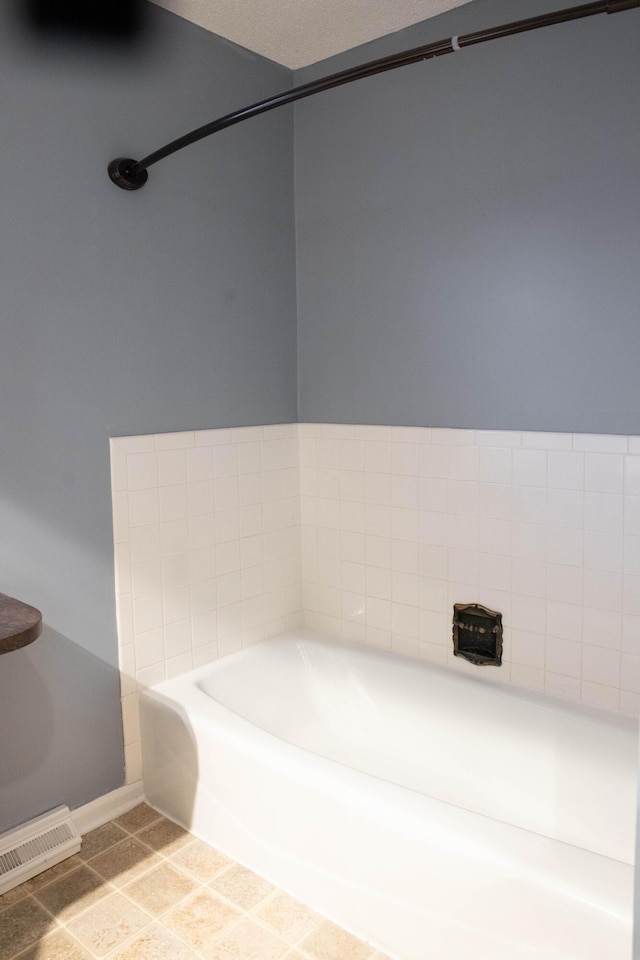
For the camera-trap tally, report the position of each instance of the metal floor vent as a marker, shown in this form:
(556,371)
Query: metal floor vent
(36,846)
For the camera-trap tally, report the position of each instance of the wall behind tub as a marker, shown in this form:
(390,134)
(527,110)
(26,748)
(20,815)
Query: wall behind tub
(120,313)
(467,230)
(401,523)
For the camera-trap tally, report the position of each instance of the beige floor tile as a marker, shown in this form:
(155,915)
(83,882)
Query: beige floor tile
(21,926)
(141,816)
(200,860)
(12,896)
(73,893)
(158,868)
(108,924)
(156,943)
(99,840)
(246,941)
(200,918)
(160,889)
(241,886)
(165,836)
(289,918)
(124,861)
(59,946)
(329,942)
(48,876)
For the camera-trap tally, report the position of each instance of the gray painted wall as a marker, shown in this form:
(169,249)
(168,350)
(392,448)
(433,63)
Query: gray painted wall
(468,230)
(120,313)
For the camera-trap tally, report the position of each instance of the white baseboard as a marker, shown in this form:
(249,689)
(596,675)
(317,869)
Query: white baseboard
(105,808)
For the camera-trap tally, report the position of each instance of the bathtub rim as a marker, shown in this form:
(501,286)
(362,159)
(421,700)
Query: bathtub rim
(503,688)
(197,708)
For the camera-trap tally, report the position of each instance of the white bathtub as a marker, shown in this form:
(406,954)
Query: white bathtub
(438,816)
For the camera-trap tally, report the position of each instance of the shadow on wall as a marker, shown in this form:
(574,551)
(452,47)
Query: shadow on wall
(25,705)
(60,696)
(54,743)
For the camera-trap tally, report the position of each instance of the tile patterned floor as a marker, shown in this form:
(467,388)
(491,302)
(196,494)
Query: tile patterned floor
(142,888)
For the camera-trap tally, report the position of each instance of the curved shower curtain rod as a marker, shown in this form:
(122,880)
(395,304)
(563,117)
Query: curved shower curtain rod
(132,174)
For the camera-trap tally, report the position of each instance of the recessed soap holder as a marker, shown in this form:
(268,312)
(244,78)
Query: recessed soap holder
(477,634)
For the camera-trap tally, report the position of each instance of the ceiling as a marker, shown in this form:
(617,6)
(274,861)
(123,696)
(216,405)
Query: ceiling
(296,33)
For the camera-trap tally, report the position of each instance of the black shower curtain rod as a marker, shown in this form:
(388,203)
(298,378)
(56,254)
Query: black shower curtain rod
(132,174)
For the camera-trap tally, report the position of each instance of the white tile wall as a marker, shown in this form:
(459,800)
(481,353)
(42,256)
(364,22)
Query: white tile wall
(397,525)
(207,551)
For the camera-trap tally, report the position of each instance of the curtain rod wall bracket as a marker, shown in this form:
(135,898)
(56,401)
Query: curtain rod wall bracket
(123,173)
(132,174)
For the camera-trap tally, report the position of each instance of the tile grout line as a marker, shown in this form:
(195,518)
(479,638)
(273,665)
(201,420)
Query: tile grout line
(59,924)
(110,887)
(200,886)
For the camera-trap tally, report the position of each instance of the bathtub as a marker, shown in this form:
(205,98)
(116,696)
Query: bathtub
(433,814)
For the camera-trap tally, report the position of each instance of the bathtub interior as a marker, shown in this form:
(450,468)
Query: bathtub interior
(531,761)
